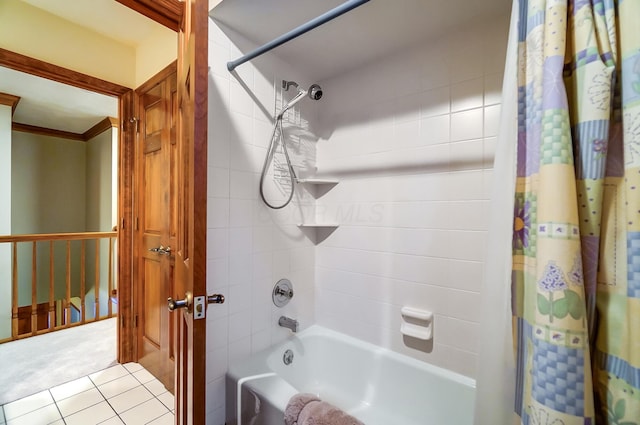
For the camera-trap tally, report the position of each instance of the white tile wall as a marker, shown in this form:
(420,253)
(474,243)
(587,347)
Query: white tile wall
(250,247)
(412,141)
(415,168)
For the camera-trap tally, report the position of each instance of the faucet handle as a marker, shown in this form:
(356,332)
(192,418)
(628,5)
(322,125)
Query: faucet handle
(282,292)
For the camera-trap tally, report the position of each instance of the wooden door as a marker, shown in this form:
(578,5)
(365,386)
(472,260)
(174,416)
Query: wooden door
(192,212)
(156,217)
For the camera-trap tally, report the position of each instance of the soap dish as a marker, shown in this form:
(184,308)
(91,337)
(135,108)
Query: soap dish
(417,323)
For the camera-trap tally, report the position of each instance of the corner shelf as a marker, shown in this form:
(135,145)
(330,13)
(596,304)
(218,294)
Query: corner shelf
(318,225)
(317,232)
(319,181)
(318,187)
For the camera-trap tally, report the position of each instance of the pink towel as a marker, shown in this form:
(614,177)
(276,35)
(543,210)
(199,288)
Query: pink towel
(307,409)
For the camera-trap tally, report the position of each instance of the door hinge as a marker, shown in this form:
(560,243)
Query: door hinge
(135,321)
(122,224)
(137,223)
(134,121)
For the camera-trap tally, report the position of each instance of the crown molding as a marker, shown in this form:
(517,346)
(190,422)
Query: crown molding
(9,100)
(99,128)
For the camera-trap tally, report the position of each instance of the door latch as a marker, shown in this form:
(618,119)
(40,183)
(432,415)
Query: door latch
(199,310)
(200,304)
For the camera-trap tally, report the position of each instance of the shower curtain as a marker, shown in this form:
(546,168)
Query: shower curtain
(576,236)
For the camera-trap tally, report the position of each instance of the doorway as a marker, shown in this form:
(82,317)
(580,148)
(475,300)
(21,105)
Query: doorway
(71,273)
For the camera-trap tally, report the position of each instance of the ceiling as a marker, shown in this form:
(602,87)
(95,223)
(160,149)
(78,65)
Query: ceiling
(49,104)
(106,17)
(374,29)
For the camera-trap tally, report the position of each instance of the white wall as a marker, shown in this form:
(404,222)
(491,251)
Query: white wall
(412,139)
(249,247)
(5,220)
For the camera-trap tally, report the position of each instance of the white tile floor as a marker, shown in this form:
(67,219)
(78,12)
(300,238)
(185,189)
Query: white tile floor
(122,394)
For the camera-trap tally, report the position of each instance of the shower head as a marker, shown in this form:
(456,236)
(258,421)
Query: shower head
(315,92)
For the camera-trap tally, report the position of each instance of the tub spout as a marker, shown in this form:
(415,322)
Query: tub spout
(287,322)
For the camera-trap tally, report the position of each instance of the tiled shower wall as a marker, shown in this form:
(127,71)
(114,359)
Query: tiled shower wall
(250,247)
(411,138)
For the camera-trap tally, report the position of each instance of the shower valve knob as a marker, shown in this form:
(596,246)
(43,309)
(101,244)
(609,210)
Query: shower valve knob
(282,292)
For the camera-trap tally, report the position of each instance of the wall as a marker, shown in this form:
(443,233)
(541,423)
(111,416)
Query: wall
(40,202)
(99,163)
(84,51)
(155,52)
(48,196)
(100,216)
(412,138)
(5,221)
(250,247)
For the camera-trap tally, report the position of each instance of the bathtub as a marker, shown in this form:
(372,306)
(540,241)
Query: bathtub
(375,385)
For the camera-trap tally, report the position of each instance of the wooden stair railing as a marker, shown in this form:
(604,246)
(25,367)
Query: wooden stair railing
(39,318)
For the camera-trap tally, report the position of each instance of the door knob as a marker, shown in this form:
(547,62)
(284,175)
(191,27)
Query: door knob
(176,304)
(161,250)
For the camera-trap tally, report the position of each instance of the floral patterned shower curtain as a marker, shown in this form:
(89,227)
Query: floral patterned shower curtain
(576,241)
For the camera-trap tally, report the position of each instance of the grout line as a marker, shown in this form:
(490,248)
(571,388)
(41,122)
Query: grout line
(55,403)
(154,395)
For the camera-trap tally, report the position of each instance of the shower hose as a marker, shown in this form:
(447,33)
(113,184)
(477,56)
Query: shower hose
(276,136)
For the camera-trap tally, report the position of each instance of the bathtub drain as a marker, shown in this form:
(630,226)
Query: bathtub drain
(287,357)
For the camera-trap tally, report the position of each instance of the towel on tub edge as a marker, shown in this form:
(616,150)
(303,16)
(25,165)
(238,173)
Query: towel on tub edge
(307,409)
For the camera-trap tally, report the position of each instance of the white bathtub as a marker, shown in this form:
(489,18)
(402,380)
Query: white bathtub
(376,385)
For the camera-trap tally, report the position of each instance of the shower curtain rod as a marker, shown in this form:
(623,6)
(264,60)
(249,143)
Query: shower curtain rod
(296,32)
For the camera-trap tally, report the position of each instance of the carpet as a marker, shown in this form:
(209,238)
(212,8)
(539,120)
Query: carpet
(34,364)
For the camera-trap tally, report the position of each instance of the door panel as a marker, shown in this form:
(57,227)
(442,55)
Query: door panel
(155,163)
(152,293)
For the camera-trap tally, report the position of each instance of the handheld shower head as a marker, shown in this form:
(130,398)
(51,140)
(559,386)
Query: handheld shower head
(315,92)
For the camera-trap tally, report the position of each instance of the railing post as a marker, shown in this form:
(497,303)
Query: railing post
(83,273)
(52,307)
(96,288)
(67,301)
(110,266)
(34,289)
(14,294)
